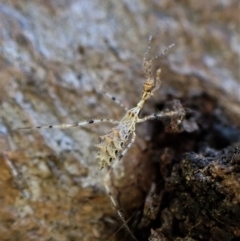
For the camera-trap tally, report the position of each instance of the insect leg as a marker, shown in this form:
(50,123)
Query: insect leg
(112,192)
(113,98)
(158,115)
(64,126)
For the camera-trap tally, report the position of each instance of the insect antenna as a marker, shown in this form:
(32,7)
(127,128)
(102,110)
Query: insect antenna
(148,48)
(147,64)
(164,52)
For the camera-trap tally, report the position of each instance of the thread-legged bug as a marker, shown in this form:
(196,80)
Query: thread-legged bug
(115,144)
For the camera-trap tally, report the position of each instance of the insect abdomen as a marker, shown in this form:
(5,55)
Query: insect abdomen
(111,146)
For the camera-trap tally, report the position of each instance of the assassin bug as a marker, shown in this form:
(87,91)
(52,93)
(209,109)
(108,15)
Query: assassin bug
(116,143)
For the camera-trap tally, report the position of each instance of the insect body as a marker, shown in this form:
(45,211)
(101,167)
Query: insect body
(115,144)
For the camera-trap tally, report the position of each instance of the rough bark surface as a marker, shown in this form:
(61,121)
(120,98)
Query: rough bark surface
(54,55)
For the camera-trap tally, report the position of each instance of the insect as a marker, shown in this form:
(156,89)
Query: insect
(118,140)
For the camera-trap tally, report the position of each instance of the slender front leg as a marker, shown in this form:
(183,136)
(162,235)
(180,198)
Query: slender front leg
(112,191)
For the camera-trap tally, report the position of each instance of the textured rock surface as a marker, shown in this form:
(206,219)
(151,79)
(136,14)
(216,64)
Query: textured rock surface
(53,55)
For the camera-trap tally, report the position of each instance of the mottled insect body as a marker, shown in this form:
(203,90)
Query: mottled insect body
(112,144)
(115,144)
(115,141)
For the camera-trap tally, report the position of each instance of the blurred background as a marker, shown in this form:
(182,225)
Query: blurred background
(54,58)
